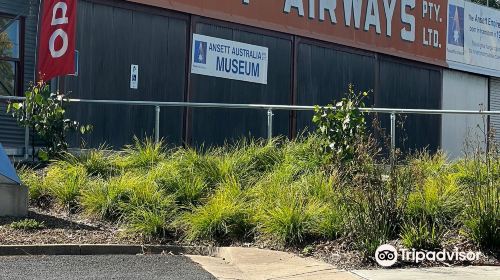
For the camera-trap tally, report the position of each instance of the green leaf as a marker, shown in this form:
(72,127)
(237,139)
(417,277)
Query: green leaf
(43,155)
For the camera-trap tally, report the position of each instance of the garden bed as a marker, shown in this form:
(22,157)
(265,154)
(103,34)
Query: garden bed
(284,195)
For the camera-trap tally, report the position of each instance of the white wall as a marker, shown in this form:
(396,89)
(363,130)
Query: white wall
(495,106)
(461,91)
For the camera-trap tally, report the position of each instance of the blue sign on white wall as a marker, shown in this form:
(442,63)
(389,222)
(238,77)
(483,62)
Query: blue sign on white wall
(229,59)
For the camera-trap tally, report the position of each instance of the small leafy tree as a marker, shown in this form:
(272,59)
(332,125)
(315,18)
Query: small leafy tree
(43,111)
(342,125)
(491,3)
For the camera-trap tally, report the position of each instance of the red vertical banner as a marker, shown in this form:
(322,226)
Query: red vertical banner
(56,53)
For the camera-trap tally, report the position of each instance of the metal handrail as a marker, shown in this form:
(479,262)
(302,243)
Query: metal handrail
(269,107)
(264,106)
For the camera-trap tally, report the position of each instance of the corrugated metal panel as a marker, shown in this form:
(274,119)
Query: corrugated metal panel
(323,76)
(495,105)
(10,134)
(404,85)
(112,38)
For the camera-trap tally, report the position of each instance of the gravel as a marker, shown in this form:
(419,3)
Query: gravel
(101,267)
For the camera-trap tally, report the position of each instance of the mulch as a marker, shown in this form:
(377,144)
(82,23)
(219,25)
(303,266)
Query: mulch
(62,228)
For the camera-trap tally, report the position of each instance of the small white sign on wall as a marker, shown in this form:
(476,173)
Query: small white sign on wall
(134,76)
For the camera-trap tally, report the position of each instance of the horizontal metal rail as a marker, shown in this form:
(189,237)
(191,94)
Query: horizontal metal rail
(269,108)
(265,106)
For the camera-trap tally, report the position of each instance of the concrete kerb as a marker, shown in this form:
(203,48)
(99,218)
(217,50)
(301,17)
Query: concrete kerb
(105,249)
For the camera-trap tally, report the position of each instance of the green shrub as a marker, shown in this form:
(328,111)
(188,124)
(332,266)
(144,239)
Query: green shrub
(427,165)
(286,214)
(142,154)
(206,166)
(191,191)
(321,185)
(144,194)
(479,179)
(367,200)
(65,183)
(28,224)
(290,221)
(330,222)
(423,235)
(341,124)
(437,201)
(102,198)
(252,159)
(188,190)
(285,191)
(224,216)
(35,183)
(153,219)
(96,162)
(484,228)
(371,224)
(433,203)
(303,153)
(44,112)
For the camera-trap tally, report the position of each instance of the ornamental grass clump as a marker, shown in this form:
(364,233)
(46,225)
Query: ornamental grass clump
(104,198)
(187,189)
(153,219)
(65,183)
(285,211)
(225,216)
(251,159)
(98,162)
(291,218)
(141,154)
(38,192)
(433,204)
(479,178)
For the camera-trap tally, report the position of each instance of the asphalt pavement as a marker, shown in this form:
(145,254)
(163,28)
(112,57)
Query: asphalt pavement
(150,267)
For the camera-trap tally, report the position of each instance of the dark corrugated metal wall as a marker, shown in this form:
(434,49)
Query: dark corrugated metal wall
(10,134)
(110,39)
(411,86)
(324,73)
(213,126)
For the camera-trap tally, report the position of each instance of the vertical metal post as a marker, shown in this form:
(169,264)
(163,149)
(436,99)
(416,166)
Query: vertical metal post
(270,124)
(26,142)
(393,137)
(157,124)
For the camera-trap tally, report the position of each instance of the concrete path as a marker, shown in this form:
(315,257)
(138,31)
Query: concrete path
(253,264)
(436,273)
(250,264)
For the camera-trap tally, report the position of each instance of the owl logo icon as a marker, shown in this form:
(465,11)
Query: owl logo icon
(200,52)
